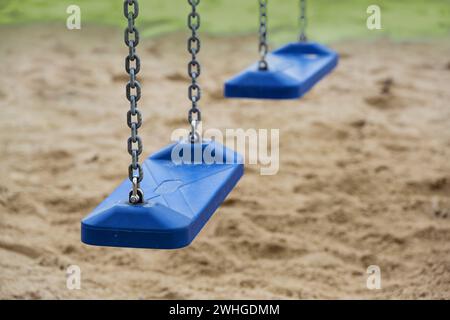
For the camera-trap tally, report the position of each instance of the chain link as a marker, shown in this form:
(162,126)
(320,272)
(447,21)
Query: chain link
(133,94)
(303,21)
(263,47)
(194,70)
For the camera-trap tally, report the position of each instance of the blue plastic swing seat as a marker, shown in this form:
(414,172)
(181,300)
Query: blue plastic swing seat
(179,199)
(292,71)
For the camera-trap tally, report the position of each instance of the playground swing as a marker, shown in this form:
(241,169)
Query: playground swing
(168,208)
(286,73)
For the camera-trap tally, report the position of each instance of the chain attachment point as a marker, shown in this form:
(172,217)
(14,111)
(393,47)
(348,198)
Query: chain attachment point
(136,195)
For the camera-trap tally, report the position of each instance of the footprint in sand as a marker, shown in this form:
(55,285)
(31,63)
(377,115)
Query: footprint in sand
(216,94)
(358,124)
(175,122)
(232,202)
(177,76)
(120,77)
(432,233)
(271,248)
(435,185)
(385,99)
(384,102)
(386,85)
(438,209)
(154,50)
(344,55)
(20,249)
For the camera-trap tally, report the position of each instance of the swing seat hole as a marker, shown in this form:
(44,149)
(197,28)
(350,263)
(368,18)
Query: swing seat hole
(140,196)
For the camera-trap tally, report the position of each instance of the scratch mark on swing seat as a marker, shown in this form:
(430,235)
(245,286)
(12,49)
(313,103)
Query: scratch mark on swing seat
(168,186)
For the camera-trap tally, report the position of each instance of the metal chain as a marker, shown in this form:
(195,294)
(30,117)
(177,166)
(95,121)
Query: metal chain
(303,21)
(263,47)
(194,91)
(133,94)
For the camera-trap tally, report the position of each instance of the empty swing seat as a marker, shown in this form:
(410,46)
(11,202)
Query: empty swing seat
(179,199)
(292,71)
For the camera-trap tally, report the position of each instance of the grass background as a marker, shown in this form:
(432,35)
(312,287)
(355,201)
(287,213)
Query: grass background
(329,20)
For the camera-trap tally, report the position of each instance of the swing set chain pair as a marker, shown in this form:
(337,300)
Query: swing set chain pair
(303,21)
(263,47)
(194,90)
(133,94)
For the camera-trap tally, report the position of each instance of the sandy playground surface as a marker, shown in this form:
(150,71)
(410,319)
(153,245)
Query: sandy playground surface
(364,171)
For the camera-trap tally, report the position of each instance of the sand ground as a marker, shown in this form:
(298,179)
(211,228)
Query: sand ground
(364,171)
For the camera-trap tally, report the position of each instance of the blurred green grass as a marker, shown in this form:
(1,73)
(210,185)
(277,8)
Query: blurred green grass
(329,20)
